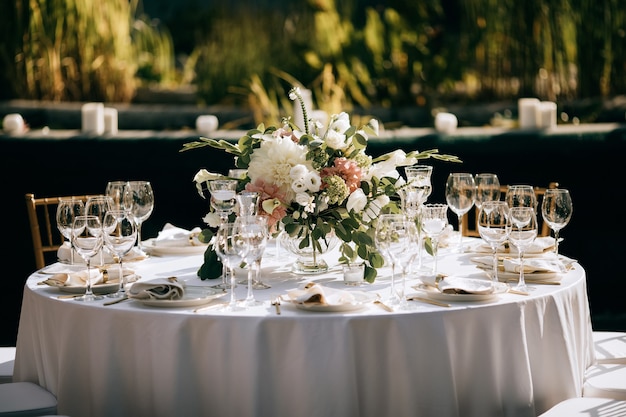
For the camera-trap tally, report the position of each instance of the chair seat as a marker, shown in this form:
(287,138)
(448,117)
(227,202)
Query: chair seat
(7,359)
(605,381)
(587,407)
(610,347)
(26,399)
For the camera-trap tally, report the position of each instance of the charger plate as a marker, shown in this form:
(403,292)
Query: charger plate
(435,294)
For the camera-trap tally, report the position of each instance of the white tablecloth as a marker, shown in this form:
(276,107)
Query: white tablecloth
(514,356)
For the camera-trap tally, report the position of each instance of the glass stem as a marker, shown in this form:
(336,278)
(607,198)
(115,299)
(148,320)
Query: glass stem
(556,242)
(139,236)
(233,300)
(460,216)
(88,292)
(122,287)
(71,252)
(393,281)
(435,244)
(495,265)
(522,282)
(250,294)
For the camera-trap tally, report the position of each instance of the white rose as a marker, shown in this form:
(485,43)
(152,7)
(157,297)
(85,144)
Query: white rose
(335,140)
(298,172)
(313,181)
(356,201)
(212,219)
(340,122)
(299,186)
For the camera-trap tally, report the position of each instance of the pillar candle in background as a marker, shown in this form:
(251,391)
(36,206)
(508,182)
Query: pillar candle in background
(206,124)
(548,114)
(298,118)
(110,120)
(529,113)
(13,123)
(446,122)
(92,117)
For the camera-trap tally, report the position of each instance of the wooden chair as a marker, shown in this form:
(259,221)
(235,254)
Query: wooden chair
(43,229)
(544,229)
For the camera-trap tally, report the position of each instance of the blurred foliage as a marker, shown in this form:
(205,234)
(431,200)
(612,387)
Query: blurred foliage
(349,53)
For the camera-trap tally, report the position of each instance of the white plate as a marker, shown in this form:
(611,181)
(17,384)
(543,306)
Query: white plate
(150,246)
(192,297)
(361,299)
(96,289)
(435,294)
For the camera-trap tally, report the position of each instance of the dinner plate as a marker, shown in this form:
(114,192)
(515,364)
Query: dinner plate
(151,247)
(109,287)
(435,294)
(191,298)
(360,301)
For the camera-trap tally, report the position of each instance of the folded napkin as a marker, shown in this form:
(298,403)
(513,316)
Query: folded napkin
(157,289)
(63,255)
(458,285)
(540,245)
(313,293)
(172,236)
(61,278)
(536,265)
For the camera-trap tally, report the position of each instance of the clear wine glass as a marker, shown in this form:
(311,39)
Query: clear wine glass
(487,188)
(231,246)
(67,210)
(521,196)
(120,235)
(418,178)
(522,233)
(139,200)
(87,239)
(493,226)
(383,238)
(434,221)
(98,206)
(460,196)
(254,230)
(403,250)
(556,210)
(223,200)
(115,190)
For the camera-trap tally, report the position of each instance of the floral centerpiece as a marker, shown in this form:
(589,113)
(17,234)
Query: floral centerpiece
(316,183)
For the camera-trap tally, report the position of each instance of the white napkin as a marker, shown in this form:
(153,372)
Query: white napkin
(534,265)
(175,236)
(69,278)
(312,293)
(458,285)
(539,245)
(157,289)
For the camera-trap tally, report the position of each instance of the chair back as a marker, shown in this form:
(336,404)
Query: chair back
(544,229)
(42,220)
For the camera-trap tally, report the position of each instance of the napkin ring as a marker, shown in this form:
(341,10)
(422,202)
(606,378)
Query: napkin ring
(192,238)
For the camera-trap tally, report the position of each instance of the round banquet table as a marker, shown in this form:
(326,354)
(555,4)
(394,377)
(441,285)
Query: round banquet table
(513,355)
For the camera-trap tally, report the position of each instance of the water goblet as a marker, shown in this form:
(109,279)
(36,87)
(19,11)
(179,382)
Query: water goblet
(87,239)
(434,221)
(384,236)
(115,190)
(460,196)
(487,188)
(521,196)
(247,203)
(223,200)
(139,200)
(231,246)
(67,210)
(98,206)
(556,210)
(493,225)
(120,235)
(418,179)
(522,233)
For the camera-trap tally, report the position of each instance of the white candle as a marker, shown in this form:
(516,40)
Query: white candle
(446,122)
(110,120)
(206,124)
(353,274)
(548,114)
(92,115)
(298,118)
(13,124)
(529,114)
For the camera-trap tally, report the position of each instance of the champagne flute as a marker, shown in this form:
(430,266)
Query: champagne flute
(487,188)
(556,209)
(522,233)
(87,238)
(67,210)
(231,246)
(120,235)
(254,230)
(493,225)
(223,201)
(98,206)
(521,196)
(460,196)
(139,200)
(383,238)
(434,221)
